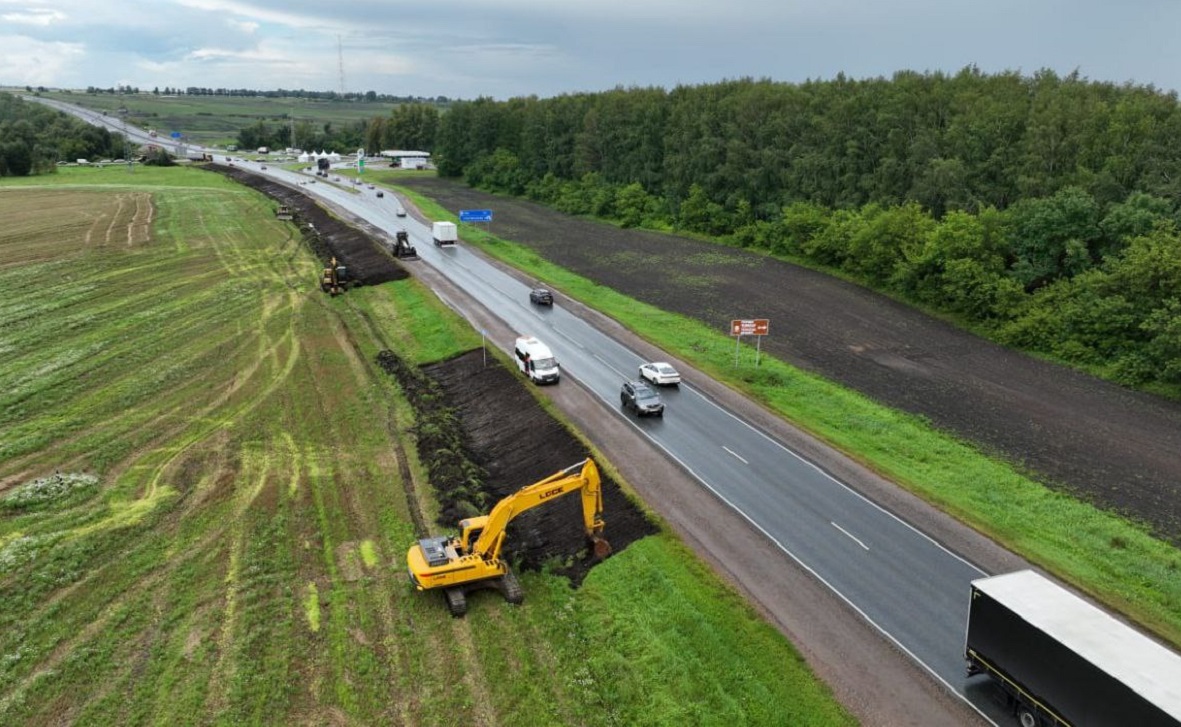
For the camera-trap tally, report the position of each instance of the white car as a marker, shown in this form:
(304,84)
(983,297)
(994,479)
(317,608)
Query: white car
(660,374)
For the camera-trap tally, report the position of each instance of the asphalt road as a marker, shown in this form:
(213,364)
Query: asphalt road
(118,125)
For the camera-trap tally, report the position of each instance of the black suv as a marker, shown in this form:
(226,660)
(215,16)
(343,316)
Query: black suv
(641,398)
(541,296)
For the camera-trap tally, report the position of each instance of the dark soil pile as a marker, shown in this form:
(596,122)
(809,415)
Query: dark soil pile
(1110,446)
(367,259)
(482,436)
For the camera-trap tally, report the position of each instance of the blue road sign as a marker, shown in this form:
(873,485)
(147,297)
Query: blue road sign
(475,215)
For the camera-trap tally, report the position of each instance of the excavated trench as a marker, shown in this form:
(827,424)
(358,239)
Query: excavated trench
(363,252)
(481,436)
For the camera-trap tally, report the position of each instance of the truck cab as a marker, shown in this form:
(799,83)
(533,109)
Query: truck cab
(536,361)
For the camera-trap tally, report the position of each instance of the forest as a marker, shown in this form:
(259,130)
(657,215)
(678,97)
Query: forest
(1040,210)
(34,137)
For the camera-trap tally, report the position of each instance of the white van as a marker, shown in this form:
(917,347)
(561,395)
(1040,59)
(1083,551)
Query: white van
(536,361)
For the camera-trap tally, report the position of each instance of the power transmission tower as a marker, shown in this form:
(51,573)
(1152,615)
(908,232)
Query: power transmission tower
(340,64)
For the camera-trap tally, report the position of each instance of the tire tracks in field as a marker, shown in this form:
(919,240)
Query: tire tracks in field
(473,677)
(227,664)
(269,347)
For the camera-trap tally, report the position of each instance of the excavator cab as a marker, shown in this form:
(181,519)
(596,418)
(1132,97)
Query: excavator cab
(470,530)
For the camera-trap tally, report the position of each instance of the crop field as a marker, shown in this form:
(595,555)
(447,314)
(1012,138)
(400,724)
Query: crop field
(204,504)
(217,119)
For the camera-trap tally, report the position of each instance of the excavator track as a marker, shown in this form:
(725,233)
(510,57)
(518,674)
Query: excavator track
(456,601)
(510,587)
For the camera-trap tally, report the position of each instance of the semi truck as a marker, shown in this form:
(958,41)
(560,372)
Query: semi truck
(444,233)
(1062,662)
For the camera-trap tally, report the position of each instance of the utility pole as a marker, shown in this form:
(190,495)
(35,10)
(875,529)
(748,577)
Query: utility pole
(340,64)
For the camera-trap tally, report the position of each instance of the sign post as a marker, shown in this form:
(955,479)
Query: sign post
(751,327)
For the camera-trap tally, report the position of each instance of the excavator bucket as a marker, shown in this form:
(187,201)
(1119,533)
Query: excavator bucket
(600,547)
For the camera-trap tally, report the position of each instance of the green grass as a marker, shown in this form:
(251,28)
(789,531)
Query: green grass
(239,556)
(1116,561)
(118,175)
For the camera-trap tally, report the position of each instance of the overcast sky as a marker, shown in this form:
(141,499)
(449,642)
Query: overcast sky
(506,48)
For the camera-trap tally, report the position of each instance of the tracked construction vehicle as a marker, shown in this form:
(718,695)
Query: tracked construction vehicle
(334,280)
(471,560)
(284,213)
(403,250)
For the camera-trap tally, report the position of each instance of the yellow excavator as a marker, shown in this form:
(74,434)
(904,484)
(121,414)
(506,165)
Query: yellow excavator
(335,278)
(471,560)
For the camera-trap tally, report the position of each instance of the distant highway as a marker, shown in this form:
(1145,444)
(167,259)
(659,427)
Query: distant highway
(117,124)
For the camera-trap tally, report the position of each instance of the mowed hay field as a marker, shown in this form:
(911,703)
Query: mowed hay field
(204,505)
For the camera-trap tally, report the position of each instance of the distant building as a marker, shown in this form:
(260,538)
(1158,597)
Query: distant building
(408,159)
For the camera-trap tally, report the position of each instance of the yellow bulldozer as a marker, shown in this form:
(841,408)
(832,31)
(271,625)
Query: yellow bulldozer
(471,560)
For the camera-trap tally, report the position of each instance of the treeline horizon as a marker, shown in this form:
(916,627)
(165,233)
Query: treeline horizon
(1040,211)
(354,96)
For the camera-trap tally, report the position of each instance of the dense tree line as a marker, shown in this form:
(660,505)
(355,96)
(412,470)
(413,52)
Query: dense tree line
(34,137)
(306,136)
(1041,210)
(409,127)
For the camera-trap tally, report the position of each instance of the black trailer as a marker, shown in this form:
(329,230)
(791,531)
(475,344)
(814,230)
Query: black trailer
(1062,661)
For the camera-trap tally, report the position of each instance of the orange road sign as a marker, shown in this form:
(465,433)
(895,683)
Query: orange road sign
(755,327)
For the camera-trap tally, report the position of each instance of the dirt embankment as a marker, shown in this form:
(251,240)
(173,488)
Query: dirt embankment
(367,259)
(482,436)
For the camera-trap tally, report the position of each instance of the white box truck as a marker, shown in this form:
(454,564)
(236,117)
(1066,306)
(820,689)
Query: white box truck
(444,233)
(536,361)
